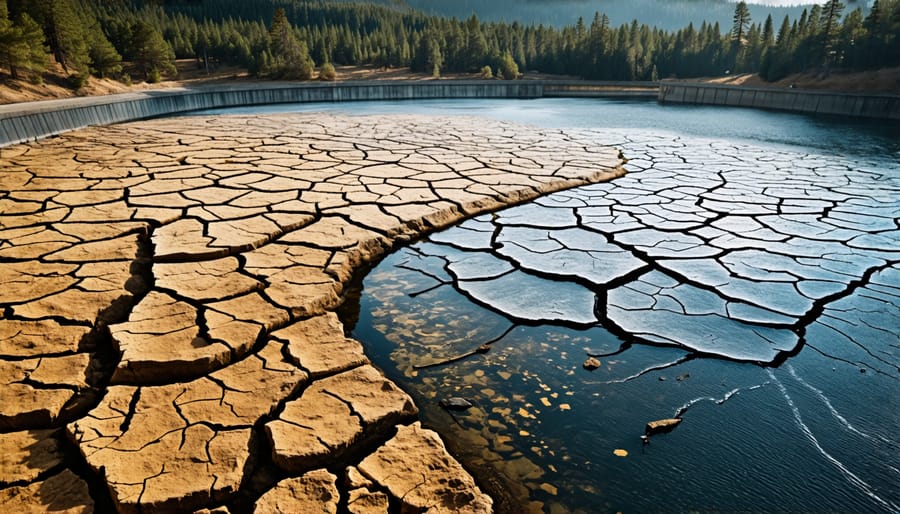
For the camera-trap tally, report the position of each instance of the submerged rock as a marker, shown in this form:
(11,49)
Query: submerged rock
(455,403)
(661,426)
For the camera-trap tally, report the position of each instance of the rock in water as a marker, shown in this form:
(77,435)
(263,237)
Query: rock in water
(591,364)
(661,426)
(455,403)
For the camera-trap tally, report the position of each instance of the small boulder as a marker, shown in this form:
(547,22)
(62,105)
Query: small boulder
(661,426)
(591,364)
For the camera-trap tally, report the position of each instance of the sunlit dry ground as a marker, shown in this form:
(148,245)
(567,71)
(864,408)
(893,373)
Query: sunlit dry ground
(167,338)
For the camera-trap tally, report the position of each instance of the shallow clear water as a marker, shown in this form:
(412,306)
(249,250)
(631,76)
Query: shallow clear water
(743,277)
(857,137)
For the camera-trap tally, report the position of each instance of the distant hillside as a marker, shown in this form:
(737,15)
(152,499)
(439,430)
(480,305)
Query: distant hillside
(286,39)
(664,14)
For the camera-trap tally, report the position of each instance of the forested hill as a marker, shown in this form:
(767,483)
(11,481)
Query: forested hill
(287,38)
(664,14)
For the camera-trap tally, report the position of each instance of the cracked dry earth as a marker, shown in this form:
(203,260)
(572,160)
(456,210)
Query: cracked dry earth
(770,274)
(168,339)
(726,250)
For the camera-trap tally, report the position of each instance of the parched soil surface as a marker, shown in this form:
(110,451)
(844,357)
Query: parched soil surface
(168,340)
(886,80)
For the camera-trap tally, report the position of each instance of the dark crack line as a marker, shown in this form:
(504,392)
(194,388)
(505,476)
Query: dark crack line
(847,336)
(350,407)
(132,409)
(187,422)
(439,285)
(140,497)
(483,348)
(651,369)
(855,364)
(34,384)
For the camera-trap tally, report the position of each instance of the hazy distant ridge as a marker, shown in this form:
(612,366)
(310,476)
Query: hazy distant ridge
(665,14)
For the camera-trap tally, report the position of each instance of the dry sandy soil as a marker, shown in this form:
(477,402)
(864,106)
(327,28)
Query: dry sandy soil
(14,91)
(54,85)
(885,80)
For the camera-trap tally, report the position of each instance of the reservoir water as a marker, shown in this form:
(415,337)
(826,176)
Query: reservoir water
(743,277)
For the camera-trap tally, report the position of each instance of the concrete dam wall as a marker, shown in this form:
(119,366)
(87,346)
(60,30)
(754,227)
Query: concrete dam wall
(814,102)
(34,120)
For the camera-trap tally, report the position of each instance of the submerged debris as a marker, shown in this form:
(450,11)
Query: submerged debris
(455,403)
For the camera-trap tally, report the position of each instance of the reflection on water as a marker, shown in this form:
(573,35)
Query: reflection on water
(749,289)
(839,135)
(553,428)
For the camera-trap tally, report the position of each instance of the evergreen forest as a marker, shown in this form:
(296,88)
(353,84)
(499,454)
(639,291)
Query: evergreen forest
(664,14)
(288,39)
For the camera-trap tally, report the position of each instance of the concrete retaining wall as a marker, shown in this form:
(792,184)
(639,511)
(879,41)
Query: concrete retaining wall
(818,102)
(34,120)
(575,89)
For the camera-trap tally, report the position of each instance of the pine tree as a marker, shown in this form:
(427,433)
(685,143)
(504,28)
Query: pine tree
(66,35)
(768,33)
(434,59)
(775,63)
(741,23)
(830,31)
(476,45)
(852,35)
(21,45)
(739,38)
(784,33)
(598,45)
(815,13)
(290,55)
(150,52)
(105,60)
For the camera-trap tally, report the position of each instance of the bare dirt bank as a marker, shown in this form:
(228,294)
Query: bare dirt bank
(189,73)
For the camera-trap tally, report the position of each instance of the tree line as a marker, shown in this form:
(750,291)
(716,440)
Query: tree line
(289,38)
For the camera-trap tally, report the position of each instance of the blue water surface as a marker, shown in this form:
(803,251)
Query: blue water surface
(815,430)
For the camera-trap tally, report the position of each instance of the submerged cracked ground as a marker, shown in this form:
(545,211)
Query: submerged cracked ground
(751,291)
(168,340)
